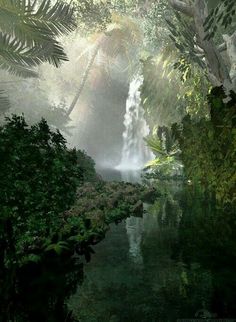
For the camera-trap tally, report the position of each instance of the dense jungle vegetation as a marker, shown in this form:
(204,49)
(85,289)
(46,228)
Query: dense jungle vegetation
(65,71)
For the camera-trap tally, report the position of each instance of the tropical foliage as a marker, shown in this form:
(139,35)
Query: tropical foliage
(222,15)
(54,206)
(193,36)
(166,151)
(36,171)
(28,36)
(40,184)
(168,94)
(208,147)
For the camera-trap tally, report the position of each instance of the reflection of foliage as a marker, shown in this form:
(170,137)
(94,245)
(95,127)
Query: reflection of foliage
(208,147)
(203,224)
(179,290)
(206,224)
(166,208)
(42,290)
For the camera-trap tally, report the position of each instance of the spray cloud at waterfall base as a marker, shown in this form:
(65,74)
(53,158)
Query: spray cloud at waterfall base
(135,153)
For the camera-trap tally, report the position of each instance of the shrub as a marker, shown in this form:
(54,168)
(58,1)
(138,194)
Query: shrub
(38,181)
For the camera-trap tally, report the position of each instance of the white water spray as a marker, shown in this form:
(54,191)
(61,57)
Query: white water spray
(135,153)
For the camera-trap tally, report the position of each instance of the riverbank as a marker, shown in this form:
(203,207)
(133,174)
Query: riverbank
(97,205)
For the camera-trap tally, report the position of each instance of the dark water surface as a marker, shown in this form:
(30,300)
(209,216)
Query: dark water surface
(177,262)
(145,271)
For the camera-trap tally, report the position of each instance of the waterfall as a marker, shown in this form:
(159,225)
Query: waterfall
(135,153)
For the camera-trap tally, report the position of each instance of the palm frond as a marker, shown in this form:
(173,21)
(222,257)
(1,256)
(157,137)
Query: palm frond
(59,18)
(34,25)
(15,58)
(51,52)
(18,70)
(13,51)
(159,162)
(4,102)
(155,145)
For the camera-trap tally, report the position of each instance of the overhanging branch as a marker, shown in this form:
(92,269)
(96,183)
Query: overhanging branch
(222,47)
(182,7)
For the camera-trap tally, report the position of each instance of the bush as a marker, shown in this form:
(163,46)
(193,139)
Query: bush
(87,165)
(208,148)
(38,181)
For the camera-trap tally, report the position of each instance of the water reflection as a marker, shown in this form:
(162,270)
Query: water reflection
(134,225)
(156,268)
(37,292)
(134,229)
(176,262)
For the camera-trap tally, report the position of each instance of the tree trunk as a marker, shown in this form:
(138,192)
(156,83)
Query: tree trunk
(231,51)
(182,7)
(84,79)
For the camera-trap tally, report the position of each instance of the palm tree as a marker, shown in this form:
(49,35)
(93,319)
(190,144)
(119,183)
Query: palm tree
(28,35)
(119,38)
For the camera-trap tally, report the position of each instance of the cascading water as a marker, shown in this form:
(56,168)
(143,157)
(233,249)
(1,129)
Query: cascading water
(135,153)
